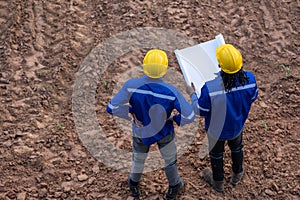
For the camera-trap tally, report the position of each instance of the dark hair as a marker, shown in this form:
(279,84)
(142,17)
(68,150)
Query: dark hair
(234,80)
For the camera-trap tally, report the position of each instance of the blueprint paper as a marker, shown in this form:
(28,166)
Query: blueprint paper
(198,63)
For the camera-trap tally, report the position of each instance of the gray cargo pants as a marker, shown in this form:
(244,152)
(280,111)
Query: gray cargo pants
(168,151)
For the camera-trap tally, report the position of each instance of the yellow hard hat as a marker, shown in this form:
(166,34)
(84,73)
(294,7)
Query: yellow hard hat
(155,63)
(229,58)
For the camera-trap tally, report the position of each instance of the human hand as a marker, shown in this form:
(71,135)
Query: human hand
(136,121)
(171,117)
(190,89)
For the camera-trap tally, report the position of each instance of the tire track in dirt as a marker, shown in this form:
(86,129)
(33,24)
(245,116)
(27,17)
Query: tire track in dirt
(53,34)
(40,39)
(62,39)
(62,34)
(261,26)
(5,23)
(82,40)
(277,39)
(19,87)
(275,28)
(20,39)
(5,16)
(5,117)
(47,39)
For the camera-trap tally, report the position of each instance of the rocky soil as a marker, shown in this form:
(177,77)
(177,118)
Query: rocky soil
(42,47)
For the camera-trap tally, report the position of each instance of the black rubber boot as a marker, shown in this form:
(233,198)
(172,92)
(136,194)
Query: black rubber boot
(173,191)
(236,178)
(208,177)
(134,188)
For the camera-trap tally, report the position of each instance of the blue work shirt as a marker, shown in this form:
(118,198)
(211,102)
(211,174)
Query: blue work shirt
(225,113)
(151,102)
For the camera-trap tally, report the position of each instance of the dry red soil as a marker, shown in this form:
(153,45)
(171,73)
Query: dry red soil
(42,46)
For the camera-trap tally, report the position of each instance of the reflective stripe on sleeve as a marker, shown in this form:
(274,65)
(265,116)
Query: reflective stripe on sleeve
(255,94)
(201,108)
(190,116)
(112,107)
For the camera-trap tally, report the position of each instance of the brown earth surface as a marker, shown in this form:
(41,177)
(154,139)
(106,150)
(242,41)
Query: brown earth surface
(42,46)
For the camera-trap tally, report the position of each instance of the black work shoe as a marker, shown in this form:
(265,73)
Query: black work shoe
(174,190)
(236,178)
(208,177)
(134,188)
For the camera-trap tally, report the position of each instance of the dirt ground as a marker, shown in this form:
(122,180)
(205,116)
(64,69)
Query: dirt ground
(42,46)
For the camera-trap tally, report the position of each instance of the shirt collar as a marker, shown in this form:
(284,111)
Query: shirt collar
(148,79)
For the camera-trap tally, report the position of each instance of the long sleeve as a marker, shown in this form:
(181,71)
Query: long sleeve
(119,106)
(204,102)
(255,94)
(194,100)
(186,113)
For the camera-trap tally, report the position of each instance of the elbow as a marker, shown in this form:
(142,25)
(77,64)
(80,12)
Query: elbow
(109,110)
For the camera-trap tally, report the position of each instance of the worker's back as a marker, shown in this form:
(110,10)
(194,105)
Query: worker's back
(228,110)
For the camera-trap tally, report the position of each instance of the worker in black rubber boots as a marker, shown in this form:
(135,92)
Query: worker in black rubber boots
(225,103)
(149,101)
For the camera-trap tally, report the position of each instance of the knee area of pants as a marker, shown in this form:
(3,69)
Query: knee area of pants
(139,157)
(216,155)
(170,163)
(237,150)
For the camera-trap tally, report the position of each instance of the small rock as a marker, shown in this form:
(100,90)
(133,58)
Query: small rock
(82,177)
(21,196)
(66,186)
(275,186)
(270,192)
(43,192)
(278,131)
(279,152)
(11,195)
(2,189)
(57,194)
(263,104)
(91,180)
(40,125)
(4,81)
(279,159)
(95,169)
(22,150)
(64,196)
(20,133)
